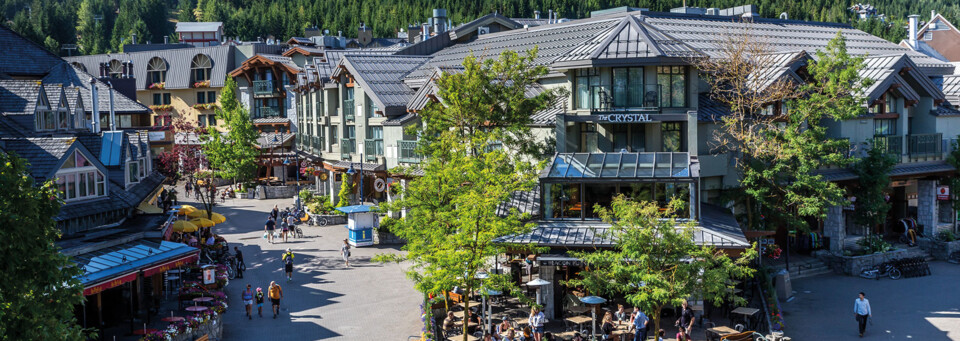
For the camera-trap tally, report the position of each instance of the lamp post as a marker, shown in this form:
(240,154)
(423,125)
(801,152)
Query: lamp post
(483,304)
(287,162)
(351,171)
(593,301)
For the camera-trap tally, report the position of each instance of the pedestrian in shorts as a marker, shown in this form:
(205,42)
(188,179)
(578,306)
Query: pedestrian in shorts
(345,252)
(287,259)
(259,298)
(248,301)
(276,293)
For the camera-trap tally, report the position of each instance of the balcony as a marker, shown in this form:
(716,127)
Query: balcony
(348,109)
(266,88)
(347,147)
(267,112)
(316,144)
(925,146)
(891,144)
(408,152)
(632,98)
(373,148)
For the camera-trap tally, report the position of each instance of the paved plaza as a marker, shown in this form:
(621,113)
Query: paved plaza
(325,300)
(923,308)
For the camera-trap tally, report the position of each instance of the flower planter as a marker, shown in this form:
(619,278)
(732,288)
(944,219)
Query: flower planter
(939,250)
(329,219)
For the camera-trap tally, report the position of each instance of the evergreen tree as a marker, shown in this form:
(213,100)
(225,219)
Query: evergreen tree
(95,19)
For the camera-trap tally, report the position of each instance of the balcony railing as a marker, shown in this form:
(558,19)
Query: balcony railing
(408,152)
(265,88)
(638,97)
(347,147)
(372,148)
(891,144)
(267,112)
(348,109)
(925,146)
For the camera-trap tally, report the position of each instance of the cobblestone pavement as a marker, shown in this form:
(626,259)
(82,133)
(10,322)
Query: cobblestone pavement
(325,300)
(922,308)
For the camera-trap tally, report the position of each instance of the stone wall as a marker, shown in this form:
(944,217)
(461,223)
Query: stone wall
(938,249)
(927,206)
(276,192)
(834,228)
(387,238)
(853,265)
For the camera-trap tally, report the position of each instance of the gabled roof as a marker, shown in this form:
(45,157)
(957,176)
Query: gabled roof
(472,26)
(428,92)
(300,41)
(178,61)
(20,56)
(209,26)
(304,50)
(382,78)
(776,67)
(887,70)
(629,39)
(285,63)
(951,88)
(73,78)
(19,96)
(46,154)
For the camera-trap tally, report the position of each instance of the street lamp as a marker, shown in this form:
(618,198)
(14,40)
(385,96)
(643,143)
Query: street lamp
(483,304)
(287,162)
(593,301)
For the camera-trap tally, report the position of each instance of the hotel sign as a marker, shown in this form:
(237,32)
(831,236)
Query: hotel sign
(624,118)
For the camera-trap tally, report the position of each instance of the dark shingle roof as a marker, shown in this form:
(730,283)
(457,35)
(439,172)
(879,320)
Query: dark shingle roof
(18,96)
(43,153)
(73,78)
(20,56)
(178,63)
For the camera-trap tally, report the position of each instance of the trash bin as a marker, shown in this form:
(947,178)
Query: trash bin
(782,285)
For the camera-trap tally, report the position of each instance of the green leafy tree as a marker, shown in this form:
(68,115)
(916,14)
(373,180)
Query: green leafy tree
(657,263)
(452,220)
(873,171)
(40,288)
(95,21)
(343,197)
(954,159)
(232,155)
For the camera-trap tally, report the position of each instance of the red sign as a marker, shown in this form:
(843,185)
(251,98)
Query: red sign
(170,265)
(943,193)
(113,283)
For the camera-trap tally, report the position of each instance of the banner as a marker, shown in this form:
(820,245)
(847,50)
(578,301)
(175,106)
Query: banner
(170,265)
(113,283)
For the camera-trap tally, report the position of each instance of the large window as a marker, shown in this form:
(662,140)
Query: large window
(115,69)
(161,99)
(563,201)
(79,179)
(200,68)
(588,88)
(885,127)
(205,97)
(628,87)
(673,86)
(375,139)
(156,71)
(672,134)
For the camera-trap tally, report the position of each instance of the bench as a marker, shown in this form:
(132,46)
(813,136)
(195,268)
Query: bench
(204,338)
(744,336)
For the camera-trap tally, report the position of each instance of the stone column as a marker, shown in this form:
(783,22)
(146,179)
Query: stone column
(927,206)
(835,228)
(546,291)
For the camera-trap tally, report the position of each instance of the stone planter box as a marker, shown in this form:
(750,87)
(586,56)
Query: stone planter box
(388,238)
(213,329)
(853,265)
(331,219)
(939,249)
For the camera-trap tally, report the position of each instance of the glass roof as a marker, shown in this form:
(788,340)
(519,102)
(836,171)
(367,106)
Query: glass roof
(619,165)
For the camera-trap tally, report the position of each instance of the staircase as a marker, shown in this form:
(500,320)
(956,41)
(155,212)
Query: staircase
(802,267)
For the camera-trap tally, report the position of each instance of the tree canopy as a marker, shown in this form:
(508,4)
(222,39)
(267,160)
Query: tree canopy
(40,287)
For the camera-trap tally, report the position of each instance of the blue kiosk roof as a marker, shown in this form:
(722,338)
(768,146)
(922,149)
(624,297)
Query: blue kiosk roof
(356,209)
(118,260)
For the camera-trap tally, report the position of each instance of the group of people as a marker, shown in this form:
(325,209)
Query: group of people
(287,218)
(274,292)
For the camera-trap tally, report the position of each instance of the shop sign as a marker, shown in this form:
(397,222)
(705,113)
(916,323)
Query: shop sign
(169,266)
(113,283)
(209,274)
(156,136)
(625,118)
(943,193)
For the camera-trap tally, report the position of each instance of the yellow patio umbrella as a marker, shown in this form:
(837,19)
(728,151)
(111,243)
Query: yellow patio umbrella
(184,226)
(198,214)
(186,210)
(202,222)
(218,218)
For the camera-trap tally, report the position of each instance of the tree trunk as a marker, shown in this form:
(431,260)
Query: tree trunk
(749,214)
(656,323)
(466,311)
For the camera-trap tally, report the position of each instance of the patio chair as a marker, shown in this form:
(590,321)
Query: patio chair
(743,336)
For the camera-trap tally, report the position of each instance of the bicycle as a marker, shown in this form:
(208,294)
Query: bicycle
(884,269)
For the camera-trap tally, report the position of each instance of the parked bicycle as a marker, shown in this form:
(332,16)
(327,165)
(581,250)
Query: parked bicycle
(885,269)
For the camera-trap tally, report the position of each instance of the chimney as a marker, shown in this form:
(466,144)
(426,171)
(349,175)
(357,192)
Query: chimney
(133,38)
(113,115)
(166,40)
(933,14)
(413,31)
(439,20)
(912,28)
(536,15)
(550,17)
(364,34)
(95,125)
(103,70)
(426,32)
(130,74)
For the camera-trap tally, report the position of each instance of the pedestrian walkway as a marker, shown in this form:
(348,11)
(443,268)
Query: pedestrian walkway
(325,300)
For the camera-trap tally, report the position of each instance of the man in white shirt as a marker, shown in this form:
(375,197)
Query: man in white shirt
(861,307)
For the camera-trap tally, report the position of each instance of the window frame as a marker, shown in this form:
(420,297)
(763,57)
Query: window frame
(669,74)
(586,82)
(672,127)
(94,180)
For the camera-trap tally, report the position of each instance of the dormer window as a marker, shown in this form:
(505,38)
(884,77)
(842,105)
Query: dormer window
(200,68)
(79,179)
(135,171)
(115,69)
(156,71)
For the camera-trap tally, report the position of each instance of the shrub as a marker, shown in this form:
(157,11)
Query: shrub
(874,244)
(947,236)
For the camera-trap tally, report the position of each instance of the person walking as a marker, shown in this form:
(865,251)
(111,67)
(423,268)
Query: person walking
(345,252)
(685,322)
(284,228)
(269,227)
(536,320)
(248,301)
(186,189)
(275,212)
(287,259)
(276,293)
(240,264)
(291,224)
(259,298)
(639,325)
(861,307)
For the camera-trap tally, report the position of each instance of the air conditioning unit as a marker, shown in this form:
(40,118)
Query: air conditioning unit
(483,30)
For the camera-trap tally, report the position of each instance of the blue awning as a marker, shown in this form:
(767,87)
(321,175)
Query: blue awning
(623,166)
(115,261)
(356,209)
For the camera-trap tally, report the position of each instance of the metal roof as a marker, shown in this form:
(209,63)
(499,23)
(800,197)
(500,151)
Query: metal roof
(899,170)
(774,67)
(709,110)
(525,202)
(951,88)
(630,39)
(567,166)
(77,80)
(20,56)
(890,69)
(273,139)
(178,62)
(356,209)
(366,167)
(381,77)
(118,260)
(209,26)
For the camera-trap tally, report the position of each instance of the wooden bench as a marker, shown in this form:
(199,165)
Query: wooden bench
(744,336)
(204,338)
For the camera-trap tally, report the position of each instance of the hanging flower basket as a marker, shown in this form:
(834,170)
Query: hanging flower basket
(161,107)
(158,86)
(203,84)
(207,106)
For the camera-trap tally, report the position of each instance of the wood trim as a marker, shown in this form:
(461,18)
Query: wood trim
(886,116)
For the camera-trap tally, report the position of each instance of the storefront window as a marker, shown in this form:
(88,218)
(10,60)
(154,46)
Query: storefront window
(563,201)
(597,195)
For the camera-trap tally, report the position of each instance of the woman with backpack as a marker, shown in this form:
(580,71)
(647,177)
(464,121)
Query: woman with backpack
(345,252)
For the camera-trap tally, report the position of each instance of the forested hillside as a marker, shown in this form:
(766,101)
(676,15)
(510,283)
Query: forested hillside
(99,26)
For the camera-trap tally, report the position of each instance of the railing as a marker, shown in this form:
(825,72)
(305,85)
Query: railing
(891,144)
(348,109)
(925,146)
(347,146)
(265,88)
(267,112)
(317,144)
(373,148)
(408,152)
(642,97)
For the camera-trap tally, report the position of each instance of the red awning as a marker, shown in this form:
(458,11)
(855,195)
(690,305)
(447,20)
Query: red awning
(172,264)
(113,283)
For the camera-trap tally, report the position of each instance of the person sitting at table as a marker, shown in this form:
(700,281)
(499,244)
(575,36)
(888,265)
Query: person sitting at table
(504,326)
(660,334)
(448,323)
(607,327)
(621,314)
(577,337)
(510,335)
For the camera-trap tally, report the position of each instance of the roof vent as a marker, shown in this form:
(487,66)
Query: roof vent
(784,16)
